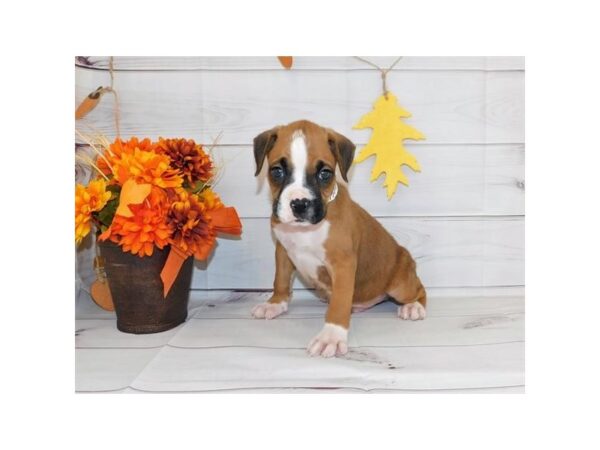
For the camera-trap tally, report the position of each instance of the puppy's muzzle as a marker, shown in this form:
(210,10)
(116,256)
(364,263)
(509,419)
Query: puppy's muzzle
(299,207)
(305,210)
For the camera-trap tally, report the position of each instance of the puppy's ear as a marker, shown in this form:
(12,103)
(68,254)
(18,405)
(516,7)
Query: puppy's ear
(263,143)
(343,150)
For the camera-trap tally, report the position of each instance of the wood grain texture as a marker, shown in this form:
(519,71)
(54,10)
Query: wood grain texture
(465,343)
(448,251)
(220,304)
(179,63)
(453,302)
(450,322)
(413,368)
(454,180)
(496,390)
(366,331)
(98,370)
(102,333)
(449,107)
(471,110)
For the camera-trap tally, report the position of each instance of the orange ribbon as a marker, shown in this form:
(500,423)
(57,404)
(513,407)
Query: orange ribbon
(171,268)
(223,220)
(132,193)
(226,220)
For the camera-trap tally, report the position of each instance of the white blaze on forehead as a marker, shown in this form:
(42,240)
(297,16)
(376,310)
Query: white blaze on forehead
(299,157)
(296,189)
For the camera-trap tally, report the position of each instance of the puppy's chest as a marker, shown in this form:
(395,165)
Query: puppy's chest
(305,246)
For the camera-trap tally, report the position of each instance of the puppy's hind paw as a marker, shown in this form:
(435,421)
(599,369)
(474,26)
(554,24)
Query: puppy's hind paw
(412,311)
(269,310)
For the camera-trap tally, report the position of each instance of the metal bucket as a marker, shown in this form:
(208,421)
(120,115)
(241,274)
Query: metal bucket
(137,290)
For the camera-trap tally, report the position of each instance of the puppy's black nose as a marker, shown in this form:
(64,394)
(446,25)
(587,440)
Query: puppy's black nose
(299,206)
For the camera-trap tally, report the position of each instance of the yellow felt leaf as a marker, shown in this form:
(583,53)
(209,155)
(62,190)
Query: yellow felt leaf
(387,142)
(132,193)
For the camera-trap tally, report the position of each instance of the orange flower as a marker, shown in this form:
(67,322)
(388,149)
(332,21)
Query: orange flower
(147,227)
(88,200)
(188,157)
(140,161)
(117,149)
(147,167)
(192,229)
(210,199)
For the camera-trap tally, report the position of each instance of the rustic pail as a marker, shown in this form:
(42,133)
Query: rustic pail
(137,290)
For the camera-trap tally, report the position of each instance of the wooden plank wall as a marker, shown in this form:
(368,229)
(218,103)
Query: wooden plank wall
(462,217)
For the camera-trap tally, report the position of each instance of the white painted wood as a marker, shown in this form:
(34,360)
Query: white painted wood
(85,308)
(482,366)
(229,304)
(450,321)
(449,107)
(98,370)
(448,251)
(444,352)
(365,331)
(101,333)
(174,63)
(470,108)
(304,304)
(455,180)
(328,391)
(288,333)
(438,331)
(485,292)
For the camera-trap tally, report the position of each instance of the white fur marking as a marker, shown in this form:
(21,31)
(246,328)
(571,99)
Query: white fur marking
(412,311)
(360,307)
(304,245)
(296,189)
(331,340)
(334,193)
(269,310)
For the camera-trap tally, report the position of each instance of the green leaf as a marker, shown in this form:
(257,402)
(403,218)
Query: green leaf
(198,187)
(106,215)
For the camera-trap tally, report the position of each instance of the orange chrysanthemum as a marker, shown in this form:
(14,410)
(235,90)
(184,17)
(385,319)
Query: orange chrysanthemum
(192,229)
(210,199)
(141,161)
(88,200)
(114,154)
(147,167)
(188,157)
(147,227)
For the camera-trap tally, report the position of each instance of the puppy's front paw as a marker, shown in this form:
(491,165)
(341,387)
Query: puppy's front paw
(269,310)
(331,340)
(411,311)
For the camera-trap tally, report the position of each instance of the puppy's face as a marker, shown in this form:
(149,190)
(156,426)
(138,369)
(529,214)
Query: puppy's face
(302,158)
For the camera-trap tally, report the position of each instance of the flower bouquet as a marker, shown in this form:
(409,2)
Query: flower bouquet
(154,210)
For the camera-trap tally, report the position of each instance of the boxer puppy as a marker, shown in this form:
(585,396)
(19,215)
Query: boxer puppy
(329,240)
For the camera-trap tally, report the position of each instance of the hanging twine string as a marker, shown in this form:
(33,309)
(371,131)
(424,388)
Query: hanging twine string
(383,71)
(111,89)
(98,259)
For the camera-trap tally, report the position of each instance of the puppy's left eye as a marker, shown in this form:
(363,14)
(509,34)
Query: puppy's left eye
(325,175)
